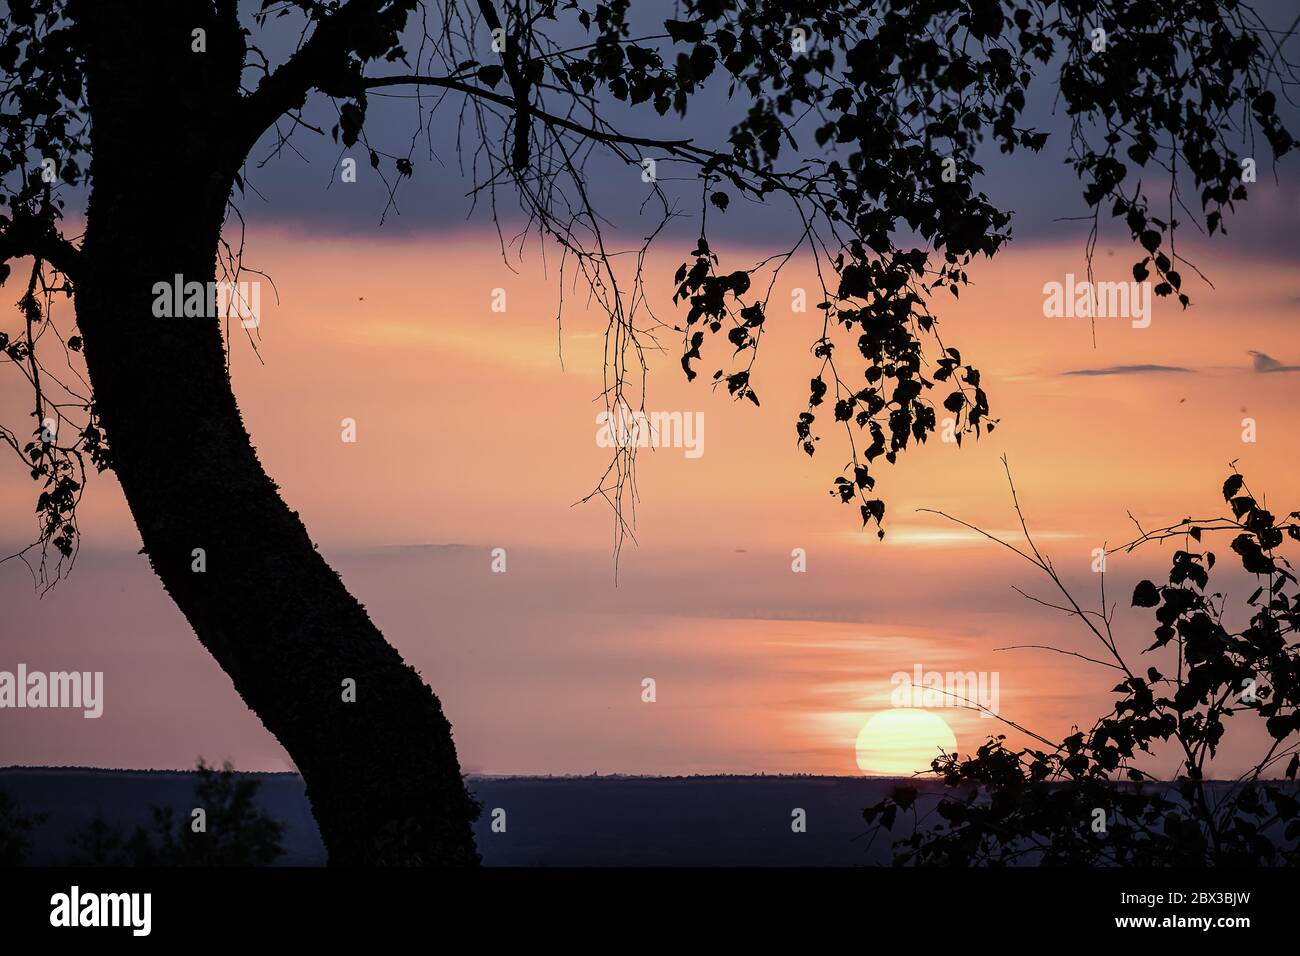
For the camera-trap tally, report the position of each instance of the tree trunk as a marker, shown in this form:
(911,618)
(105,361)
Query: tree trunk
(381,772)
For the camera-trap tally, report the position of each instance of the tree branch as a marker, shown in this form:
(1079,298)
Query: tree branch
(446,82)
(518,83)
(28,237)
(322,62)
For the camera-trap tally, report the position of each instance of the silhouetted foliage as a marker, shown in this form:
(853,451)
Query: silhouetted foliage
(849,135)
(1040,804)
(237,833)
(846,114)
(15,828)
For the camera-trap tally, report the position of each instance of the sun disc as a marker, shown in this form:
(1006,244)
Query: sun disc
(902,741)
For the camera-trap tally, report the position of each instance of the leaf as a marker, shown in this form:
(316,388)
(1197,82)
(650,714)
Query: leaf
(684,31)
(1146,594)
(1281,725)
(491,74)
(875,508)
(351,119)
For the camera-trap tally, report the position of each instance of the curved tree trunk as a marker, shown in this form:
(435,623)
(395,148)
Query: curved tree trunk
(381,773)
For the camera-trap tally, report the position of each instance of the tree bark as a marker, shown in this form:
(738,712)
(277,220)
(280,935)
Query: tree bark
(381,773)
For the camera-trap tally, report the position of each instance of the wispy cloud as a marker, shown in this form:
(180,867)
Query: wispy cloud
(944,537)
(1129,370)
(1265,363)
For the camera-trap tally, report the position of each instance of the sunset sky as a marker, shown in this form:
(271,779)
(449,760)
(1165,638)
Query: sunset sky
(471,435)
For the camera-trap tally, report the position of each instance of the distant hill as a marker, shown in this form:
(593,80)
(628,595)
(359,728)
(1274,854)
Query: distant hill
(550,821)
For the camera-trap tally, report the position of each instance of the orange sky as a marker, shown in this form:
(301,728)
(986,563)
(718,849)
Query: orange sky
(471,434)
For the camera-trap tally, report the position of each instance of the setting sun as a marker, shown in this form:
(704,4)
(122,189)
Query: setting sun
(902,741)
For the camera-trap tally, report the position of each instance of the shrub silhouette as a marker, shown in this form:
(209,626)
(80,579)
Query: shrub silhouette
(15,825)
(237,833)
(1044,804)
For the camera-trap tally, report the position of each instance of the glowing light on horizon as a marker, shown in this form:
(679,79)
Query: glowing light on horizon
(902,741)
(945,537)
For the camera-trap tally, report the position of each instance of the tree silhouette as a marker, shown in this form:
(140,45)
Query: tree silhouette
(15,831)
(235,832)
(1062,804)
(861,118)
